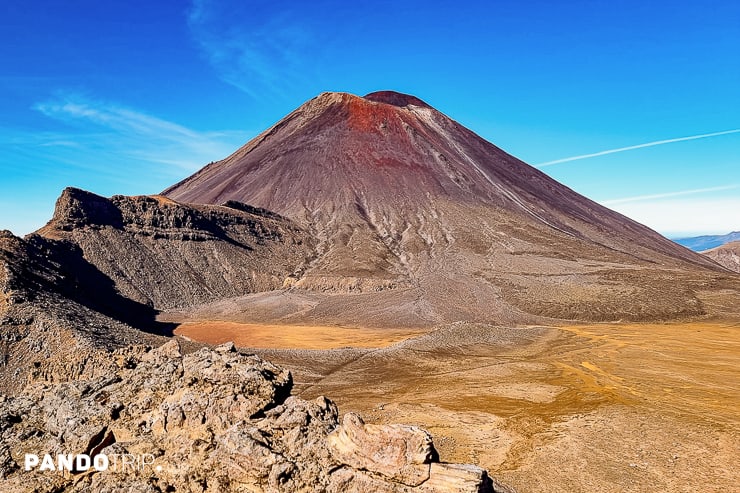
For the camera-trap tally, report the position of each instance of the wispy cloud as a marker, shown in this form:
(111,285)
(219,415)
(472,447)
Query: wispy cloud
(638,146)
(135,134)
(101,146)
(253,49)
(641,198)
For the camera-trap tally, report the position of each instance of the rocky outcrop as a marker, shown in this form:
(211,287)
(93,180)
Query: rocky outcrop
(402,453)
(102,268)
(162,254)
(212,420)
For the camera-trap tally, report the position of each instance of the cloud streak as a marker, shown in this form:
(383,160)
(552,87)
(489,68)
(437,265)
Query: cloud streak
(641,198)
(684,217)
(135,134)
(100,146)
(254,49)
(683,213)
(638,146)
(103,128)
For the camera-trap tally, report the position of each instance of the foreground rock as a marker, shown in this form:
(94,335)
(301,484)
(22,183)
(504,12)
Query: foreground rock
(213,420)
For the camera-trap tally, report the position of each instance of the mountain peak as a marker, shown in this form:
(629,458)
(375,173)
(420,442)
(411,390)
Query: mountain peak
(369,102)
(395,99)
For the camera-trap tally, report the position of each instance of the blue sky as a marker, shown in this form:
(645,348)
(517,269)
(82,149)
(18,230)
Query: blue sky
(129,97)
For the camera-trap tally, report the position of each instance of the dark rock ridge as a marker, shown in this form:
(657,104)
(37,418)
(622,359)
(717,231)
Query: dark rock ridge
(400,197)
(42,329)
(165,255)
(213,420)
(396,99)
(102,268)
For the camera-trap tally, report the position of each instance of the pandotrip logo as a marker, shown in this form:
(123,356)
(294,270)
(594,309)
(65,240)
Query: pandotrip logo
(80,463)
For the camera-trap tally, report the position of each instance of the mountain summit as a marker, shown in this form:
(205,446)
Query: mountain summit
(402,198)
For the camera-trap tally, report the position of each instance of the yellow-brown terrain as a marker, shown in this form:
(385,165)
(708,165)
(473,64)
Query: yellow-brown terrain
(294,337)
(594,407)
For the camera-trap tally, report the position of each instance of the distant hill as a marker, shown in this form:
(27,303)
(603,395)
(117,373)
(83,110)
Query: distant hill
(727,255)
(701,243)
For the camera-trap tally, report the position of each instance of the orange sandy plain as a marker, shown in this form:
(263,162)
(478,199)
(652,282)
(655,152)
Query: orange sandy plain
(598,407)
(291,336)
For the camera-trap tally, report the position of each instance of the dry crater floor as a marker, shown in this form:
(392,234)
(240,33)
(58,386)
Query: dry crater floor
(582,408)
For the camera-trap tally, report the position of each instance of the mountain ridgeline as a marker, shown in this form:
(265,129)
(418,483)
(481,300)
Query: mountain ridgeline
(707,242)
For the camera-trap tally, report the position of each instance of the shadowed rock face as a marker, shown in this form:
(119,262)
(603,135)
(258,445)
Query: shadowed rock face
(213,420)
(400,197)
(102,268)
(44,324)
(162,254)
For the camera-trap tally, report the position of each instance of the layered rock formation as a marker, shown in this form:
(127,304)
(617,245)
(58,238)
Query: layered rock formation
(164,254)
(213,420)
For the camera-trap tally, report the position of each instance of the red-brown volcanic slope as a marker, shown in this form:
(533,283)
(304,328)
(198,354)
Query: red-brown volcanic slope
(401,198)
